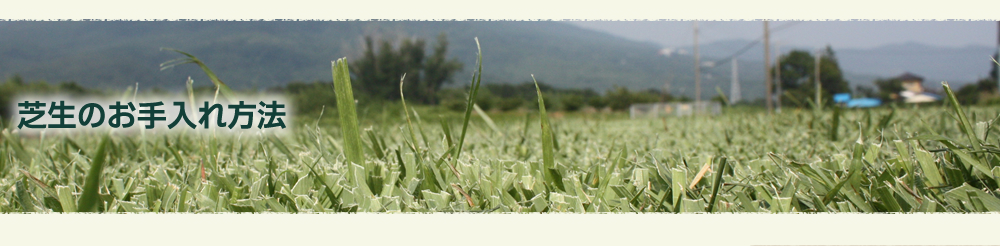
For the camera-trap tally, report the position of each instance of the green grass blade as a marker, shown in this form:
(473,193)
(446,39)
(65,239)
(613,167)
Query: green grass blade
(967,157)
(89,199)
(23,197)
(65,194)
(487,119)
(420,128)
(476,79)
(409,123)
(446,128)
(716,184)
(283,148)
(962,119)
(725,100)
(930,169)
(353,148)
(835,124)
(856,164)
(678,178)
(219,85)
(885,120)
(190,90)
(14,141)
(548,153)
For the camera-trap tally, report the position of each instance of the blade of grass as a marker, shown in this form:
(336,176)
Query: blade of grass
(420,127)
(487,119)
(963,120)
(855,167)
(716,184)
(968,157)
(725,100)
(23,197)
(190,90)
(409,124)
(65,194)
(446,128)
(89,198)
(353,148)
(548,155)
(835,124)
(929,168)
(219,85)
(476,79)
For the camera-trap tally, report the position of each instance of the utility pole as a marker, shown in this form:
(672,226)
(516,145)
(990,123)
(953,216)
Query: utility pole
(767,67)
(819,101)
(734,89)
(697,68)
(777,73)
(666,86)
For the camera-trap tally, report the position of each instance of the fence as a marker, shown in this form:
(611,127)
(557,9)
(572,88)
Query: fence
(652,110)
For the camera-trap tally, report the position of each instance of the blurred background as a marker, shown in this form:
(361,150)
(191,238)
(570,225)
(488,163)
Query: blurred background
(585,65)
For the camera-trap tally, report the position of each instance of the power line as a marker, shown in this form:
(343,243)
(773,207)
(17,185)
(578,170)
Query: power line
(753,43)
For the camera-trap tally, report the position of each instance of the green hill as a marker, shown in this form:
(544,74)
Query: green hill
(267,54)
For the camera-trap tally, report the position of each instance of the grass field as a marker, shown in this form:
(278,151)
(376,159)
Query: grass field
(935,158)
(745,162)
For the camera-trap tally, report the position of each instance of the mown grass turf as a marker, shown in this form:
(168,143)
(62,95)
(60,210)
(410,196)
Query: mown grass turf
(780,163)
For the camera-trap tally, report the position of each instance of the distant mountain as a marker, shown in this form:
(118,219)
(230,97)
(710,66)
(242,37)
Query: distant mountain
(935,64)
(862,66)
(266,54)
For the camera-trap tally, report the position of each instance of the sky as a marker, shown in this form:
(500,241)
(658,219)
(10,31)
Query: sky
(838,34)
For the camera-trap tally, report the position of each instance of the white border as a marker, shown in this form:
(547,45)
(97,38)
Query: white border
(502,10)
(517,229)
(505,229)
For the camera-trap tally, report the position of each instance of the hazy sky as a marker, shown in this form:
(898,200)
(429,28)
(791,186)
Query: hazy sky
(839,34)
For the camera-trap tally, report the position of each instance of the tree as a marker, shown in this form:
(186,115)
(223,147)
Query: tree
(598,102)
(798,71)
(983,91)
(378,72)
(438,69)
(485,99)
(888,89)
(309,97)
(620,98)
(831,77)
(865,91)
(980,92)
(373,72)
(411,62)
(572,102)
(510,103)
(16,85)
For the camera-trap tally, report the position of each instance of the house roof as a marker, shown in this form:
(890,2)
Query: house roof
(907,76)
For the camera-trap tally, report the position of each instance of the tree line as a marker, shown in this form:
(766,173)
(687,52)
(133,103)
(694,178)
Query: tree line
(798,82)
(376,77)
(377,74)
